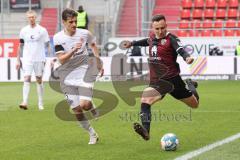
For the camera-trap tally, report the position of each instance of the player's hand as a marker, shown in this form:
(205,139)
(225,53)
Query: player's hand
(189,60)
(18,65)
(126,44)
(100,67)
(101,72)
(78,45)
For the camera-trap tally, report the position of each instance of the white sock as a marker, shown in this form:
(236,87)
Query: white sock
(40,94)
(86,125)
(91,131)
(26,89)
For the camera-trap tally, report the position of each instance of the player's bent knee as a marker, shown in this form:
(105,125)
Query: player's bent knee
(39,80)
(86,105)
(194,104)
(147,100)
(77,110)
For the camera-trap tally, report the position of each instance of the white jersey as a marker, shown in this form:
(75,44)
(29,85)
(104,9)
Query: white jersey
(64,43)
(34,40)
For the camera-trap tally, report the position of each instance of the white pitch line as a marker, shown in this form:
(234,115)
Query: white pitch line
(208,147)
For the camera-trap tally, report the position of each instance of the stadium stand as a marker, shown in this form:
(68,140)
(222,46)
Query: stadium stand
(171,11)
(219,17)
(229,32)
(186,14)
(208,14)
(222,4)
(197,14)
(232,13)
(128,18)
(49,20)
(233,3)
(230,23)
(186,4)
(199,4)
(184,24)
(210,4)
(207,23)
(217,33)
(206,33)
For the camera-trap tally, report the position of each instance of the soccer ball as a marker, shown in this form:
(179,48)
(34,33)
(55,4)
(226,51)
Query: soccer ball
(169,142)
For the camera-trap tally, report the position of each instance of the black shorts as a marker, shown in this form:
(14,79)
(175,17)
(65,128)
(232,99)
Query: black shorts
(174,86)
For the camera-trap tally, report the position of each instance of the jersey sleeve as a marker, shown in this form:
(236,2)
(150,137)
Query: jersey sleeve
(21,36)
(46,36)
(178,47)
(57,45)
(142,42)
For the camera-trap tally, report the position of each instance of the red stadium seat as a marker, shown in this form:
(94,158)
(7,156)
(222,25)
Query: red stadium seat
(186,4)
(206,33)
(218,23)
(210,3)
(221,3)
(232,13)
(238,24)
(221,14)
(238,33)
(198,33)
(207,23)
(184,24)
(208,14)
(229,32)
(197,14)
(217,33)
(182,33)
(185,14)
(198,4)
(191,33)
(196,23)
(233,3)
(230,23)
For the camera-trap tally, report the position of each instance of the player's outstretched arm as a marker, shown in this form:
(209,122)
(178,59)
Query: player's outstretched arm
(128,44)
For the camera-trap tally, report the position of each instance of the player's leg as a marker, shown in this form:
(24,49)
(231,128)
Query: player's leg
(27,71)
(192,86)
(183,94)
(149,97)
(191,101)
(85,96)
(89,106)
(39,69)
(86,104)
(73,99)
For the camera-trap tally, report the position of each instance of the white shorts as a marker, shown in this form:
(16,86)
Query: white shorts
(77,87)
(37,67)
(75,94)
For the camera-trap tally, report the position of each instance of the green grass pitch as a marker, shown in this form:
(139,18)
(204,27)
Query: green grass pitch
(40,135)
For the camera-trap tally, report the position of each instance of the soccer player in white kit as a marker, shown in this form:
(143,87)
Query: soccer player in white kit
(33,41)
(70,44)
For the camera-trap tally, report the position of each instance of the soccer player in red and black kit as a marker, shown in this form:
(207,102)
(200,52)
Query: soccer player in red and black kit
(164,48)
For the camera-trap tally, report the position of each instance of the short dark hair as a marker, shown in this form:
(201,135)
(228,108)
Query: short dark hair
(68,13)
(80,8)
(158,17)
